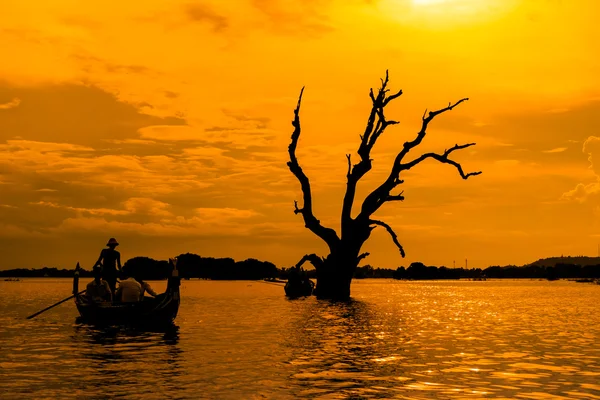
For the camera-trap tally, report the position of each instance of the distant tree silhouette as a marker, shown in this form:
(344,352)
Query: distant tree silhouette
(194,266)
(147,268)
(368,271)
(43,272)
(336,270)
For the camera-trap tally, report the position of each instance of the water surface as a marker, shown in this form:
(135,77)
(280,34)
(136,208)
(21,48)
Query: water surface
(244,340)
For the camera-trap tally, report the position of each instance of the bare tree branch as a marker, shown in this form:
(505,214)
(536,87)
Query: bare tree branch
(362,256)
(443,158)
(314,259)
(391,232)
(349,164)
(382,193)
(426,120)
(311,222)
(397,197)
(376,125)
(372,133)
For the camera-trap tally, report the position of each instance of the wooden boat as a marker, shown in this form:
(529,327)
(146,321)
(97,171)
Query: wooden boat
(299,289)
(158,310)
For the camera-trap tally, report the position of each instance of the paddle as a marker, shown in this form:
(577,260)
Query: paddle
(270,283)
(54,305)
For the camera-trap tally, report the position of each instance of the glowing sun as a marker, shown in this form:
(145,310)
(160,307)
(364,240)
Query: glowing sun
(445,13)
(429,2)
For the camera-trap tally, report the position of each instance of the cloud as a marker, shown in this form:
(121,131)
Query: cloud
(11,104)
(74,114)
(150,217)
(84,167)
(201,12)
(134,205)
(591,146)
(582,192)
(147,206)
(80,210)
(170,133)
(300,17)
(9,231)
(591,191)
(256,122)
(555,150)
(132,141)
(45,147)
(206,222)
(215,214)
(236,136)
(289,17)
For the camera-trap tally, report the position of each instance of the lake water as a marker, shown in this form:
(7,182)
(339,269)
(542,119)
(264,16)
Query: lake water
(244,340)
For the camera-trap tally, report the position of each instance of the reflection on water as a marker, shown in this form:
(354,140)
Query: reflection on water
(240,340)
(334,348)
(450,340)
(120,359)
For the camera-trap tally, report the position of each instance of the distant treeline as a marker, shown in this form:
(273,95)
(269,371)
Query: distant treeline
(420,271)
(189,266)
(42,272)
(195,266)
(558,271)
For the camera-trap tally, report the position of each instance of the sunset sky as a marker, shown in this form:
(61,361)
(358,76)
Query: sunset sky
(165,124)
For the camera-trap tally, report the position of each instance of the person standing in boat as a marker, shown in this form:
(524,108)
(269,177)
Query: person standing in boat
(110,259)
(98,290)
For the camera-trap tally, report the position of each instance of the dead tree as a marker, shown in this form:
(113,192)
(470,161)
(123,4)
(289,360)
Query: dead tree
(335,272)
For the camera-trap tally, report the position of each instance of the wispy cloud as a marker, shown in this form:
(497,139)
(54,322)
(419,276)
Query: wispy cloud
(556,150)
(11,104)
(81,210)
(590,191)
(201,12)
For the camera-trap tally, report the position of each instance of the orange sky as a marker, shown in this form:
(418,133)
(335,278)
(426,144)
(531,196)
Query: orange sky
(165,123)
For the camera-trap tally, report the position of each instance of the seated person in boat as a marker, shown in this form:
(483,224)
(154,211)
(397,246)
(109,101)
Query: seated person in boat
(129,290)
(294,277)
(98,290)
(146,288)
(110,259)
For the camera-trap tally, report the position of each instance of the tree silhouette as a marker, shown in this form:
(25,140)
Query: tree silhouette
(335,272)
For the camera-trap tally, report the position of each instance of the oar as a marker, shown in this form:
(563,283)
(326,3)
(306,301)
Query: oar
(54,305)
(270,283)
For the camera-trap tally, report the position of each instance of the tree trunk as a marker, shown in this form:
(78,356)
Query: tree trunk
(335,275)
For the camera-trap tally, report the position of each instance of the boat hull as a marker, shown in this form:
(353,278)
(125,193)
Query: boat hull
(158,310)
(162,309)
(301,289)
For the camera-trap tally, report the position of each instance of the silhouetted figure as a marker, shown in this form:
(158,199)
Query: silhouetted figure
(98,290)
(294,277)
(298,283)
(146,288)
(130,290)
(110,259)
(303,275)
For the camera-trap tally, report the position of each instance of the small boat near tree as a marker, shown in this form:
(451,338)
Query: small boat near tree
(299,289)
(298,284)
(158,310)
